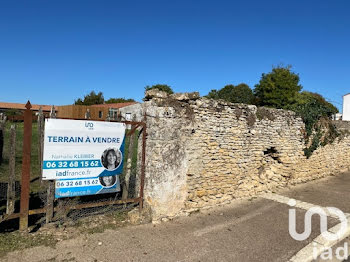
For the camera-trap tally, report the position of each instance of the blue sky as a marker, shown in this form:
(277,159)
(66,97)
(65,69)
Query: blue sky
(53,52)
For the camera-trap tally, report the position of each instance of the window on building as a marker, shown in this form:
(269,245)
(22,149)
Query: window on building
(128,116)
(113,113)
(100,114)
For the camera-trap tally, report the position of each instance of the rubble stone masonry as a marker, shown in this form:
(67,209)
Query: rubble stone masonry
(201,153)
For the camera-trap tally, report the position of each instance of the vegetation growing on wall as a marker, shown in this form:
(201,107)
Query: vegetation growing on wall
(312,107)
(316,113)
(251,119)
(264,113)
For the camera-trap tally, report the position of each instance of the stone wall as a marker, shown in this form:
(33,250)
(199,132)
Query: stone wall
(342,125)
(201,153)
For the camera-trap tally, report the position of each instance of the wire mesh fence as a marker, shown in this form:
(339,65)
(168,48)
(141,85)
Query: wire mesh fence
(70,209)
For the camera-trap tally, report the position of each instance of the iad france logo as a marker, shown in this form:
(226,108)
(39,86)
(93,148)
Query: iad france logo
(322,213)
(89,125)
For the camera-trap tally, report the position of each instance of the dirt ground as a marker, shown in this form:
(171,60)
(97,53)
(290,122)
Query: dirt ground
(246,230)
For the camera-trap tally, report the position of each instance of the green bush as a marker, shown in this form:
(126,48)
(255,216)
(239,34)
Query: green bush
(160,87)
(234,94)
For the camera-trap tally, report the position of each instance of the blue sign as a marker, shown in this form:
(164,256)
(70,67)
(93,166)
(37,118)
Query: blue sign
(83,157)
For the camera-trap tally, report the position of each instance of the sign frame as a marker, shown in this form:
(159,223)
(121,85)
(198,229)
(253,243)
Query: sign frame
(143,132)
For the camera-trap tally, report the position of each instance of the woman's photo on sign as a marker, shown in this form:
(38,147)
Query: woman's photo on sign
(108,181)
(111,158)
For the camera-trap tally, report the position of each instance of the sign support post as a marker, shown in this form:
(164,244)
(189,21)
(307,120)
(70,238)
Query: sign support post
(50,187)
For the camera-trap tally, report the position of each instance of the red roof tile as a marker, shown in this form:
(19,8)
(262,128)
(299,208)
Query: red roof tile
(5,105)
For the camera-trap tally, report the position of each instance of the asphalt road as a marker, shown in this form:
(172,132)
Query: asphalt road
(255,230)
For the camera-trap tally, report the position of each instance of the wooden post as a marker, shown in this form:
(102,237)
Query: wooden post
(50,187)
(25,182)
(11,191)
(50,200)
(2,132)
(41,140)
(53,112)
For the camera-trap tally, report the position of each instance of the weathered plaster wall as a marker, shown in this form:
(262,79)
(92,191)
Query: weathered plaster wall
(166,160)
(202,152)
(134,110)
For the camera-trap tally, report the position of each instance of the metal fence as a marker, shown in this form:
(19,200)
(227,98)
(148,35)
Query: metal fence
(28,201)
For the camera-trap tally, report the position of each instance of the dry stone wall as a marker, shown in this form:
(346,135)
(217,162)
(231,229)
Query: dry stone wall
(202,153)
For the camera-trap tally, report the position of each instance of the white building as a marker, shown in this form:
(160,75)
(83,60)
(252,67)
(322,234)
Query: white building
(131,112)
(346,107)
(337,116)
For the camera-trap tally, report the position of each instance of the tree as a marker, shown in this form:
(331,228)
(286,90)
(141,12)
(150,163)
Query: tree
(234,94)
(237,94)
(160,87)
(91,99)
(278,88)
(119,100)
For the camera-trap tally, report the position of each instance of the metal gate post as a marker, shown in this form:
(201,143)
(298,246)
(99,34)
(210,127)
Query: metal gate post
(25,181)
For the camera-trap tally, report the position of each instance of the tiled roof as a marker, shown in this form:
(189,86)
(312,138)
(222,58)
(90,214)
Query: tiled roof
(5,105)
(116,105)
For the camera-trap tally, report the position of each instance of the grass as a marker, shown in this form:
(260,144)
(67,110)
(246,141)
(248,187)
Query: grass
(134,149)
(4,167)
(37,189)
(50,236)
(18,241)
(133,160)
(34,168)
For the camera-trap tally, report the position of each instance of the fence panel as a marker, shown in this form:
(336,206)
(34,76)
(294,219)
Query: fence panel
(28,196)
